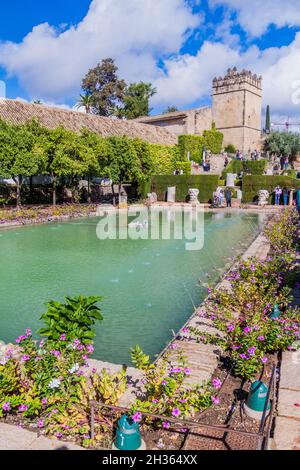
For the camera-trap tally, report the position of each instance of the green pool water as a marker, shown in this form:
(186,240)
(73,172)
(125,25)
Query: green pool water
(149,287)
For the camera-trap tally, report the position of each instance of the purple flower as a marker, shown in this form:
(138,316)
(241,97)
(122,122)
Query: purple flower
(94,370)
(6,406)
(215,400)
(63,337)
(44,401)
(40,423)
(25,358)
(230,327)
(247,329)
(173,346)
(187,371)
(76,342)
(185,330)
(166,425)
(244,356)
(217,383)
(90,348)
(164,382)
(55,353)
(137,417)
(59,435)
(20,339)
(261,338)
(28,332)
(23,408)
(235,346)
(264,360)
(176,412)
(252,350)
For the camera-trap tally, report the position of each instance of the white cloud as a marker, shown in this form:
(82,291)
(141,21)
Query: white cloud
(255,16)
(50,63)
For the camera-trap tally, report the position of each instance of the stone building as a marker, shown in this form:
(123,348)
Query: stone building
(236,111)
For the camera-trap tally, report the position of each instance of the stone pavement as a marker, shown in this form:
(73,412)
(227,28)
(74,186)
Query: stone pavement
(287,423)
(15,438)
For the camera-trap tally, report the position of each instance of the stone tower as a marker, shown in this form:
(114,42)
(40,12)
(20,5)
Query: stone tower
(236,109)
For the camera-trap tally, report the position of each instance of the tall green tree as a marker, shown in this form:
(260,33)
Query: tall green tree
(19,156)
(268,120)
(104,87)
(136,100)
(283,143)
(65,155)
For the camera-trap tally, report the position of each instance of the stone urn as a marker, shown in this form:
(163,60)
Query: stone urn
(193,196)
(263,197)
(151,198)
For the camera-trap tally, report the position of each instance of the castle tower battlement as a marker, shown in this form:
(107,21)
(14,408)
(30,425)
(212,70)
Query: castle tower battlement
(236,109)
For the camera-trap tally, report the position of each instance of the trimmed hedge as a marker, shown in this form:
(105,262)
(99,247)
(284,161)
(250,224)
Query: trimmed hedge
(164,158)
(213,140)
(206,184)
(185,166)
(193,144)
(253,183)
(254,167)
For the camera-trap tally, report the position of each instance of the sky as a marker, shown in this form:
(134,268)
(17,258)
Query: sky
(47,47)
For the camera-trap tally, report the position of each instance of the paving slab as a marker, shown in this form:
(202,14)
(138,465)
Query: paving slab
(290,367)
(289,404)
(287,434)
(15,438)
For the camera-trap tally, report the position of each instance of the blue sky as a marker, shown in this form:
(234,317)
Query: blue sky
(47,46)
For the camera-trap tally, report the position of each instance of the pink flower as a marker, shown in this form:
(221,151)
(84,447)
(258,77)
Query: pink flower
(261,338)
(55,353)
(28,332)
(187,371)
(6,406)
(20,339)
(217,383)
(23,408)
(264,360)
(185,330)
(40,424)
(166,425)
(176,412)
(137,417)
(25,358)
(230,327)
(252,350)
(247,329)
(215,400)
(76,342)
(44,401)
(173,346)
(90,348)
(63,337)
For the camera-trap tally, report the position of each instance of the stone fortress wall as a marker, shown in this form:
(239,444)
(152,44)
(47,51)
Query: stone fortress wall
(236,111)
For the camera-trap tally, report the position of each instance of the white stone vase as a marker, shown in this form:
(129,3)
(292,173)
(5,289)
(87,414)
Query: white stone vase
(193,196)
(263,197)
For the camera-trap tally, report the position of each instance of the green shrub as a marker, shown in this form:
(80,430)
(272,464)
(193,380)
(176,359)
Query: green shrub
(192,144)
(254,167)
(213,140)
(164,158)
(185,166)
(75,319)
(230,148)
(253,183)
(206,184)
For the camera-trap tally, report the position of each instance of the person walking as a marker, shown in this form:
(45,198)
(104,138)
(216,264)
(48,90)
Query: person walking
(286,195)
(286,163)
(278,192)
(228,196)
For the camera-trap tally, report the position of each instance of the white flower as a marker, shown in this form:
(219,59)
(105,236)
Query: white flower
(55,383)
(74,369)
(4,361)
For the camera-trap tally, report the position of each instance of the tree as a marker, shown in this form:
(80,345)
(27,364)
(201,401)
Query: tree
(136,100)
(85,101)
(65,155)
(268,120)
(19,155)
(283,143)
(170,109)
(104,87)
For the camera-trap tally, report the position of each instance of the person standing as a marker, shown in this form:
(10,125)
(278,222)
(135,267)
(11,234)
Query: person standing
(286,195)
(221,198)
(228,196)
(278,192)
(286,163)
(298,200)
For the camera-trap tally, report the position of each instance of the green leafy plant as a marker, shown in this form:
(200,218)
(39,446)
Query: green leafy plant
(75,318)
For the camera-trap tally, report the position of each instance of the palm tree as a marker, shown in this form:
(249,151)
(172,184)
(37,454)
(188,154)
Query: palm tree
(86,102)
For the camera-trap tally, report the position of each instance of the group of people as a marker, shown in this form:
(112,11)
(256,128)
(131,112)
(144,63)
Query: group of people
(255,155)
(281,192)
(221,195)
